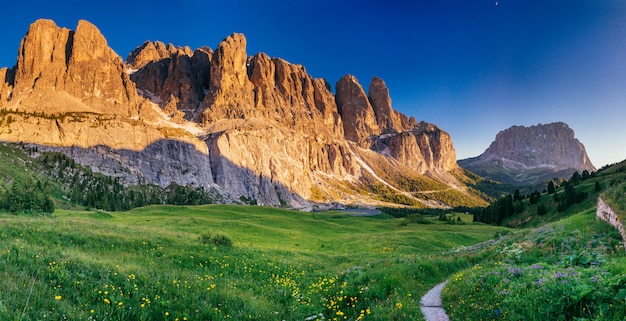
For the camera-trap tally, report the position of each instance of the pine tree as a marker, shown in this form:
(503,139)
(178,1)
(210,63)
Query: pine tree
(551,188)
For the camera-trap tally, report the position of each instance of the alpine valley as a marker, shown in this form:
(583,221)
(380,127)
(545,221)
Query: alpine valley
(243,129)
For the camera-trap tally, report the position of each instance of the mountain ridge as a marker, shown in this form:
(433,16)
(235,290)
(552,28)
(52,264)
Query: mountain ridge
(264,129)
(523,155)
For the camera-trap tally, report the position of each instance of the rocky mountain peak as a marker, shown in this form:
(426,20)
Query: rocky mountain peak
(149,52)
(548,150)
(43,55)
(54,60)
(230,92)
(387,119)
(255,128)
(89,44)
(229,67)
(540,145)
(359,118)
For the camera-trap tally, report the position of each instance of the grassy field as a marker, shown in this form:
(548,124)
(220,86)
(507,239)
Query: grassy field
(224,262)
(572,269)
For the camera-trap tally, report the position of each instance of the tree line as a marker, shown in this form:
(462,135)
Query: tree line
(511,204)
(27,198)
(81,186)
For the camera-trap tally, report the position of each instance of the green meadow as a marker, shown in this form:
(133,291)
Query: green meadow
(572,269)
(218,262)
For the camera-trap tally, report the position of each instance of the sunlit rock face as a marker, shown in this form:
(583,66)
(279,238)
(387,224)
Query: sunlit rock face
(254,128)
(77,63)
(546,151)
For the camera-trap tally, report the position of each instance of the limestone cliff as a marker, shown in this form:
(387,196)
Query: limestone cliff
(359,119)
(55,60)
(531,155)
(256,129)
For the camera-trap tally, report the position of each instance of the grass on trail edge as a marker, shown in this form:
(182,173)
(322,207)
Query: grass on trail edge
(224,263)
(573,269)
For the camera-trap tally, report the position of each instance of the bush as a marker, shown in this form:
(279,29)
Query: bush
(215,239)
(418,218)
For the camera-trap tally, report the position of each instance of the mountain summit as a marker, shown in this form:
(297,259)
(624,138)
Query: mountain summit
(530,155)
(252,129)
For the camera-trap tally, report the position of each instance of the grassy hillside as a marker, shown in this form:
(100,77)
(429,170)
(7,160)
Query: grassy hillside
(527,211)
(218,262)
(223,262)
(572,269)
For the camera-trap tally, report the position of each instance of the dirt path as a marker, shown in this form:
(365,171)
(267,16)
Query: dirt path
(431,304)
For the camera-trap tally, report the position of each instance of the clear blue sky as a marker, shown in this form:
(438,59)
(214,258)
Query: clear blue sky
(472,67)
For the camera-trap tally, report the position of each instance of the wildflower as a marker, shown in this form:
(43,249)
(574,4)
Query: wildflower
(107,301)
(515,271)
(58,297)
(398,305)
(167,314)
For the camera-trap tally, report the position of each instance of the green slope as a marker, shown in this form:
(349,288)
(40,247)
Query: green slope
(149,264)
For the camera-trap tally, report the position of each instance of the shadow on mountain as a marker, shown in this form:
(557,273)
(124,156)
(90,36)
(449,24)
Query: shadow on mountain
(166,162)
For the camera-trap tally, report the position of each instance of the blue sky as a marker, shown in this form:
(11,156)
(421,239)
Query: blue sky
(472,67)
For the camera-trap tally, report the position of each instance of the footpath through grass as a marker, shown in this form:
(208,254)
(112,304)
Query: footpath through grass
(223,263)
(573,269)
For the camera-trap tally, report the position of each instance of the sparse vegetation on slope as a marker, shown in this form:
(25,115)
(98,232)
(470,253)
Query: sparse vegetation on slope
(59,178)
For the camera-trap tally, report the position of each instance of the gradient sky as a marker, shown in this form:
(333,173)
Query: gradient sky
(472,67)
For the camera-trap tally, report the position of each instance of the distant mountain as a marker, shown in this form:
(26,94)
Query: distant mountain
(531,155)
(253,129)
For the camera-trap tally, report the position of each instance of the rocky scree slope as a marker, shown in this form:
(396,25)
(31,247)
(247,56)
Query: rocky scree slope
(531,155)
(254,128)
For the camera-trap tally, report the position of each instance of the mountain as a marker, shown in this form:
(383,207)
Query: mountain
(252,129)
(531,155)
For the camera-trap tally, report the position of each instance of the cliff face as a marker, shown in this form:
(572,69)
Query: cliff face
(544,151)
(606,213)
(55,61)
(254,128)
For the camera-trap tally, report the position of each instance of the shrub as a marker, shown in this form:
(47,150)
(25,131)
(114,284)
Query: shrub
(215,239)
(418,218)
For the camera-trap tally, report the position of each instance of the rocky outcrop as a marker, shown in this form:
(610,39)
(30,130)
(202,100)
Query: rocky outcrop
(153,51)
(176,82)
(287,95)
(388,120)
(357,114)
(256,129)
(7,78)
(56,62)
(605,213)
(423,148)
(540,145)
(230,93)
(540,152)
